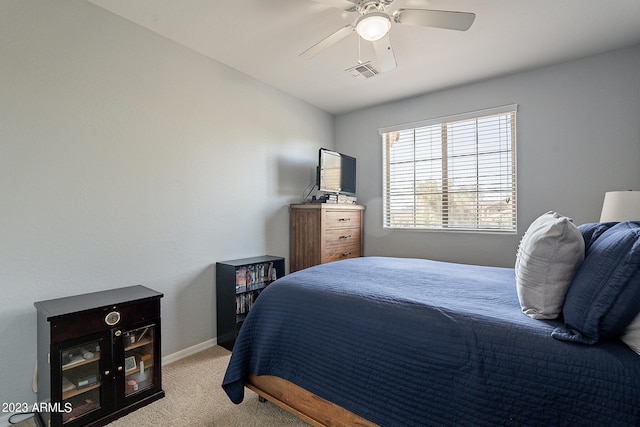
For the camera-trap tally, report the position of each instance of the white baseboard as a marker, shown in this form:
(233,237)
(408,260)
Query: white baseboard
(189,351)
(4,419)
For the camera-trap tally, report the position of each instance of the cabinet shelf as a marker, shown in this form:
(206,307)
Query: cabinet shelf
(78,391)
(136,370)
(80,411)
(259,287)
(73,365)
(138,344)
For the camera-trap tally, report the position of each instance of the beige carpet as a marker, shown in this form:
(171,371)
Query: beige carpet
(194,398)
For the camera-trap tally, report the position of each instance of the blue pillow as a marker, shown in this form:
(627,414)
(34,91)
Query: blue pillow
(604,295)
(593,230)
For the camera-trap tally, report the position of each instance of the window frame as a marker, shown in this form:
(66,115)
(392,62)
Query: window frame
(443,225)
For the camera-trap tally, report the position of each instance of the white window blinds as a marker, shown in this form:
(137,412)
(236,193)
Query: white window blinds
(454,173)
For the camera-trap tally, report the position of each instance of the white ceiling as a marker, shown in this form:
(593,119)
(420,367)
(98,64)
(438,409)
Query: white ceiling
(263,38)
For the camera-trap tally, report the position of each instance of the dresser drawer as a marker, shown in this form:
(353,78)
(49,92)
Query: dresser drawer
(337,253)
(341,237)
(342,219)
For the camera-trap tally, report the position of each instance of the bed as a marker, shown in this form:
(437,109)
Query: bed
(394,341)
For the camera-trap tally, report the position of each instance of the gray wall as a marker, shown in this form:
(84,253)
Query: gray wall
(578,137)
(128,159)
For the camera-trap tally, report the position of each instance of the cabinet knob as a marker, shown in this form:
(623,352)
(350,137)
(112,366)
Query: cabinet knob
(118,333)
(119,368)
(112,318)
(106,373)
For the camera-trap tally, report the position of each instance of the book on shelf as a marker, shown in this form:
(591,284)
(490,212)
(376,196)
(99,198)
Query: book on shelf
(259,273)
(255,276)
(251,276)
(241,279)
(245,301)
(338,198)
(272,272)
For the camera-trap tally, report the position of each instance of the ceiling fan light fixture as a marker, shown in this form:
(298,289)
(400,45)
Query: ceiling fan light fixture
(373,26)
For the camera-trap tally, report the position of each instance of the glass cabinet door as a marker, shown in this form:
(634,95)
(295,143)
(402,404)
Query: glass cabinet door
(81,380)
(139,349)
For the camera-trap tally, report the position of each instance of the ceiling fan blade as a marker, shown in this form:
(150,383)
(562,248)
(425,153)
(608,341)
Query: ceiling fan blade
(386,58)
(340,4)
(449,20)
(314,50)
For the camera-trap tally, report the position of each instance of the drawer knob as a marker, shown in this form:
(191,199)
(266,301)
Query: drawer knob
(346,236)
(344,219)
(344,254)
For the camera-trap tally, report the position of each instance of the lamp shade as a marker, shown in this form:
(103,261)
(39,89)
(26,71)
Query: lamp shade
(373,26)
(621,206)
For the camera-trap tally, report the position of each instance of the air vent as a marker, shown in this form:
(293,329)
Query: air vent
(363,71)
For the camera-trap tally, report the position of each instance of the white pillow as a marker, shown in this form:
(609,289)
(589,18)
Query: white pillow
(631,336)
(548,257)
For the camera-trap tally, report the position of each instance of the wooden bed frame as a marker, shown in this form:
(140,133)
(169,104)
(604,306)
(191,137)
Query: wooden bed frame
(303,404)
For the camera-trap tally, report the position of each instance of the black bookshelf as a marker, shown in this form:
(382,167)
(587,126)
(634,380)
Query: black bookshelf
(238,284)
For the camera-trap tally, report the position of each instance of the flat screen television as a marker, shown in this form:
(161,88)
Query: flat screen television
(336,173)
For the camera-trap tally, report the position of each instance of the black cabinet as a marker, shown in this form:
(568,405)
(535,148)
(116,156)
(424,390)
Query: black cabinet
(238,284)
(98,355)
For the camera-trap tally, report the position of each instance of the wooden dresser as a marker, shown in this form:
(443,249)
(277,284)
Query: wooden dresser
(325,232)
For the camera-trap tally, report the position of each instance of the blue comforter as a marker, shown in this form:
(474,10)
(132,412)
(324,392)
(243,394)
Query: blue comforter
(417,342)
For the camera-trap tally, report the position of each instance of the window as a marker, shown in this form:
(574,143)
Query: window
(455,173)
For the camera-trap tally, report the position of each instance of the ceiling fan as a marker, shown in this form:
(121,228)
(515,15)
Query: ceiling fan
(374,24)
